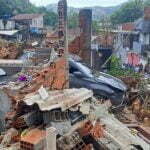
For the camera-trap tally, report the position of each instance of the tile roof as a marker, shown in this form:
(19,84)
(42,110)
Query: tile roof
(26,16)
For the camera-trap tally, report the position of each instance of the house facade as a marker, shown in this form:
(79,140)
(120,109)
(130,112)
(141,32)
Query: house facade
(7,24)
(22,27)
(143,27)
(133,39)
(33,22)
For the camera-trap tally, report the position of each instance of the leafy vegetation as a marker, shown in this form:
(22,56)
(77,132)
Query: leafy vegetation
(130,11)
(117,71)
(73,21)
(95,26)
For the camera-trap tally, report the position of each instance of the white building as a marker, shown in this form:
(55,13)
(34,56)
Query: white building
(32,20)
(8,25)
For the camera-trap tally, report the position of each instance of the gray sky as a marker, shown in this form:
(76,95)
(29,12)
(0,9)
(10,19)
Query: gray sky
(81,3)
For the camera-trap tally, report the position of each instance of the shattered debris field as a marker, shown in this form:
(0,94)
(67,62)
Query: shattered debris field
(47,103)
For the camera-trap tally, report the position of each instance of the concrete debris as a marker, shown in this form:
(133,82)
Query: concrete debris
(9,50)
(38,110)
(69,98)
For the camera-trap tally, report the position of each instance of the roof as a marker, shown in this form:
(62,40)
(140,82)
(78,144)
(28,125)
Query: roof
(26,16)
(143,25)
(8,32)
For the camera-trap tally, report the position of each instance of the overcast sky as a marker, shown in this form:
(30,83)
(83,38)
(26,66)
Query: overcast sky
(81,3)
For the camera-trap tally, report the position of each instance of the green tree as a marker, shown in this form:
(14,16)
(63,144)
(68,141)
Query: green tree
(128,12)
(147,3)
(13,7)
(51,19)
(73,20)
(95,26)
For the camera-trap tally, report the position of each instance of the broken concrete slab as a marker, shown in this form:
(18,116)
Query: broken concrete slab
(59,99)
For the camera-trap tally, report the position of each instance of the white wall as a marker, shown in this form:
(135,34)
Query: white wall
(1,25)
(37,22)
(10,25)
(145,39)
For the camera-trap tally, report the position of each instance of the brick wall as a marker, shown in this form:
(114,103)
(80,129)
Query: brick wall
(85,24)
(75,46)
(81,45)
(54,76)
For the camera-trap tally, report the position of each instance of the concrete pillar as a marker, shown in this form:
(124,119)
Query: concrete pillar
(51,138)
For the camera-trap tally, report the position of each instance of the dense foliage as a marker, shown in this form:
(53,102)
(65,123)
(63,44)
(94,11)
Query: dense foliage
(73,20)
(130,11)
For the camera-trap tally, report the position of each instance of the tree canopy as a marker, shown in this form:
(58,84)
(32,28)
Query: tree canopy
(73,20)
(128,12)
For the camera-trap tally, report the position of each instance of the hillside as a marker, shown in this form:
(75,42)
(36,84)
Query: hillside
(98,12)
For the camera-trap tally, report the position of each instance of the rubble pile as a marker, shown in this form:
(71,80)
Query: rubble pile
(28,119)
(38,110)
(8,50)
(65,119)
(136,114)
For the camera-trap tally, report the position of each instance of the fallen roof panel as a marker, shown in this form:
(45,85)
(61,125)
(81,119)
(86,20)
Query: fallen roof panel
(59,99)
